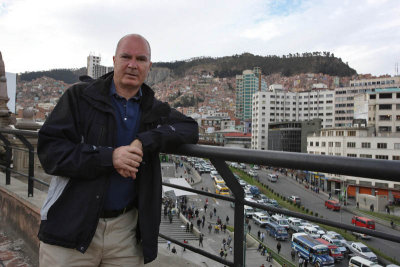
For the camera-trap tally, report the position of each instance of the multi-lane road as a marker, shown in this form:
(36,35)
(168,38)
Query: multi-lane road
(287,186)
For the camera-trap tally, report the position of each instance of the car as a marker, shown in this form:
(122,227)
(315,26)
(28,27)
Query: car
(311,231)
(242,166)
(295,199)
(281,221)
(254,190)
(336,242)
(332,204)
(321,231)
(294,225)
(359,249)
(213,173)
(337,236)
(253,173)
(358,261)
(256,167)
(260,218)
(273,202)
(272,178)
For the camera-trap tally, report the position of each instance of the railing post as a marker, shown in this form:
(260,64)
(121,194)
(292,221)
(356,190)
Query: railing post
(237,190)
(8,158)
(31,172)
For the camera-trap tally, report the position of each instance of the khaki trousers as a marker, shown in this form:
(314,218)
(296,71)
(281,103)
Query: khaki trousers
(114,244)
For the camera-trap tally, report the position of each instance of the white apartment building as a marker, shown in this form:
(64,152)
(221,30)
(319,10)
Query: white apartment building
(94,69)
(355,142)
(381,109)
(344,96)
(279,105)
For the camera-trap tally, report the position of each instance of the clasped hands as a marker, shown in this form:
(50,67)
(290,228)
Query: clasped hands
(127,159)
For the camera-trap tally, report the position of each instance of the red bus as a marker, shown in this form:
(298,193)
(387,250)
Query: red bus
(332,204)
(363,222)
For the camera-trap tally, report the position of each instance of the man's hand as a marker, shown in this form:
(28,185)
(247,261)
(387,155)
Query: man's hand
(127,159)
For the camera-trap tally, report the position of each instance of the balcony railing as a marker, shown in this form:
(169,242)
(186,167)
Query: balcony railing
(368,168)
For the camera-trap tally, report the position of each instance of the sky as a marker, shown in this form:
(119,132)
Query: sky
(47,34)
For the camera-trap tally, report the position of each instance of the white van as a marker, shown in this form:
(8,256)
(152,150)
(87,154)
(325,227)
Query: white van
(249,211)
(358,261)
(260,218)
(280,221)
(272,178)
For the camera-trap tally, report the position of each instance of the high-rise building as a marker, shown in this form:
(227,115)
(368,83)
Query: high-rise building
(94,69)
(344,96)
(247,84)
(278,105)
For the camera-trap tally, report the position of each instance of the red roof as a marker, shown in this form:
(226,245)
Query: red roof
(237,135)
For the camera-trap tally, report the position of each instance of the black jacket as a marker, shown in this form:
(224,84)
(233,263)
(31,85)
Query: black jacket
(77,142)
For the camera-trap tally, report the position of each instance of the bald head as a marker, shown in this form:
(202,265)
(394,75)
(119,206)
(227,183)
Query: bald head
(133,36)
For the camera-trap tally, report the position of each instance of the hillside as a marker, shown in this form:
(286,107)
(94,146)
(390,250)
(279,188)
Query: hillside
(287,65)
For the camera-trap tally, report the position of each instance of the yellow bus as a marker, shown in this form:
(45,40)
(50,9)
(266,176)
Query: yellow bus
(221,189)
(218,180)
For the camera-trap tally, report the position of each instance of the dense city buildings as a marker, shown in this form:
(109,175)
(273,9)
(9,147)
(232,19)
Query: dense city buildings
(356,141)
(344,96)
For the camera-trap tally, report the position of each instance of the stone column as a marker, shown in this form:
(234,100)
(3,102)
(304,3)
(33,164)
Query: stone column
(21,158)
(4,111)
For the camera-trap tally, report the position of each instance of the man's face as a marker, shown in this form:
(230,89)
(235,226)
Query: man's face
(131,63)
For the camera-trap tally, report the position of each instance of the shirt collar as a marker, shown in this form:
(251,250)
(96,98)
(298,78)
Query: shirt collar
(113,92)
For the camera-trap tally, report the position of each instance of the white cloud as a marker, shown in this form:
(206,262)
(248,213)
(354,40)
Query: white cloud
(45,34)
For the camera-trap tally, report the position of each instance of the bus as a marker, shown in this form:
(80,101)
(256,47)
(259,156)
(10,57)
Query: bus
(221,189)
(218,180)
(312,250)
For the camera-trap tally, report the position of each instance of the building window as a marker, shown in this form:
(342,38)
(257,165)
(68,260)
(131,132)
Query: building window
(385,129)
(396,145)
(351,144)
(366,156)
(385,95)
(311,143)
(330,144)
(395,157)
(381,156)
(366,145)
(352,155)
(382,145)
(324,144)
(351,133)
(339,133)
(338,144)
(385,107)
(385,117)
(316,143)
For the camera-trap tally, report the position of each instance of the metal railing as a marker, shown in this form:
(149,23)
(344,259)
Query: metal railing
(369,168)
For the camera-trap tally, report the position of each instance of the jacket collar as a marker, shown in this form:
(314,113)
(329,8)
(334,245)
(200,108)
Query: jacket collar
(99,90)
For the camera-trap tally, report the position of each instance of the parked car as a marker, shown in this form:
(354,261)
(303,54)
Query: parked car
(311,231)
(332,204)
(294,225)
(359,249)
(242,166)
(336,242)
(337,236)
(276,231)
(334,251)
(363,222)
(253,173)
(260,218)
(254,190)
(256,167)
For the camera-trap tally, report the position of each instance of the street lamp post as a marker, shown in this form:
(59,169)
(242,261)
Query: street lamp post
(245,237)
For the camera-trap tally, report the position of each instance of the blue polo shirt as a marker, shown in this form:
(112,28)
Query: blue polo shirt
(121,190)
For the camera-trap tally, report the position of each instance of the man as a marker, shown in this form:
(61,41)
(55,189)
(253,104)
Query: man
(101,142)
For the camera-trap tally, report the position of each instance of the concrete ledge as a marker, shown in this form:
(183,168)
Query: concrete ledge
(21,215)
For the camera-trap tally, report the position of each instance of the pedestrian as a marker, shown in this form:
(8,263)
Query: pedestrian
(293,254)
(209,228)
(191,227)
(229,240)
(168,245)
(301,260)
(201,240)
(230,250)
(205,208)
(184,242)
(305,262)
(224,228)
(211,215)
(187,227)
(173,250)
(225,253)
(262,265)
(221,253)
(227,219)
(330,195)
(260,246)
(249,228)
(96,141)
(264,250)
(269,256)
(278,247)
(215,211)
(262,237)
(170,217)
(259,234)
(224,243)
